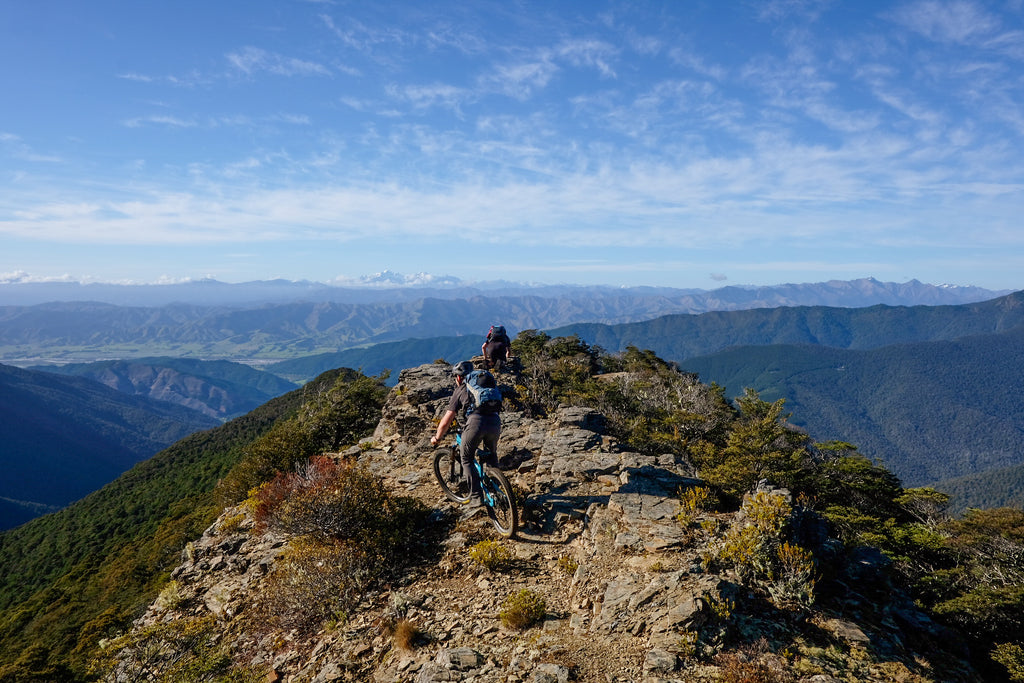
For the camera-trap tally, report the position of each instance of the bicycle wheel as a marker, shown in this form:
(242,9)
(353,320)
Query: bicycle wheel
(503,512)
(448,470)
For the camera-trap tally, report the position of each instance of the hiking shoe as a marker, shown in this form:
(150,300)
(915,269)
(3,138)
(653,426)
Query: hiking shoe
(474,507)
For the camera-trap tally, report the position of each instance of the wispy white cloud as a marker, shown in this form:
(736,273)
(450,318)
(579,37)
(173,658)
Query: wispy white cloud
(589,53)
(434,95)
(16,148)
(160,120)
(253,59)
(520,79)
(960,21)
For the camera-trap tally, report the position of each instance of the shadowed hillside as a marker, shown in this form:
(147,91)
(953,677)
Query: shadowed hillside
(929,411)
(63,437)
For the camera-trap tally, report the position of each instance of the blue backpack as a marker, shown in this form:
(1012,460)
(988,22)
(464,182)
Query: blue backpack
(484,395)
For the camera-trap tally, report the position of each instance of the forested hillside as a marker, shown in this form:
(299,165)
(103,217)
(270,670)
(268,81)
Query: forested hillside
(73,577)
(990,489)
(930,411)
(63,437)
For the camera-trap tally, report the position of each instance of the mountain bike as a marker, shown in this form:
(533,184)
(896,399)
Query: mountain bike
(499,499)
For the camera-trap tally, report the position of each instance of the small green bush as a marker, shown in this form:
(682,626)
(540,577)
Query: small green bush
(568,564)
(491,555)
(756,549)
(340,500)
(522,610)
(692,501)
(1011,656)
(180,650)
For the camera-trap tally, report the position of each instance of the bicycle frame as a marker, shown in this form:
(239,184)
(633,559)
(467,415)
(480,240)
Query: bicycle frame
(498,496)
(484,479)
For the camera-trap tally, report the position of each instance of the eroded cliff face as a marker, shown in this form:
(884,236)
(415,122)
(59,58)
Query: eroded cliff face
(628,596)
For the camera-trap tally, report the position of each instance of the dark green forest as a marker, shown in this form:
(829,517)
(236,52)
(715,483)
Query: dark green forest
(929,411)
(72,577)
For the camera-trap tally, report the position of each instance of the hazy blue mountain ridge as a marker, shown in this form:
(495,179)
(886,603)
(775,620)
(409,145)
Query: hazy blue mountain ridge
(679,337)
(394,287)
(218,389)
(387,356)
(85,331)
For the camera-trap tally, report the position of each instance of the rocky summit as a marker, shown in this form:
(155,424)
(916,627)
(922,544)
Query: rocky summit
(626,588)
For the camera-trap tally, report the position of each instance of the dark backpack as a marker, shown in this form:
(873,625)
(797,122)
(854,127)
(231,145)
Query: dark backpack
(497,334)
(483,393)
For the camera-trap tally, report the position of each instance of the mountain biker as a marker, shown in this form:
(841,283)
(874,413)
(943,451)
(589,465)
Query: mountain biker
(478,426)
(497,347)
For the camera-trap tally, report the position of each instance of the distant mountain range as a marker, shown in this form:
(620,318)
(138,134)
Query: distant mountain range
(324,321)
(63,437)
(218,389)
(389,286)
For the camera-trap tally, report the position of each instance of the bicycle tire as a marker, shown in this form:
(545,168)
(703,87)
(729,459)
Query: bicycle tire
(504,515)
(448,471)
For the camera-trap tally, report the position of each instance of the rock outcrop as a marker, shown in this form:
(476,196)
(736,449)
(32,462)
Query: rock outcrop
(625,586)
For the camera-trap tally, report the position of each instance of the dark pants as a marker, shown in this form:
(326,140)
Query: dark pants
(495,353)
(479,429)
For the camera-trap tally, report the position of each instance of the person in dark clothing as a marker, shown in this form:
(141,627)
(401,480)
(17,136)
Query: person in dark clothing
(477,427)
(497,347)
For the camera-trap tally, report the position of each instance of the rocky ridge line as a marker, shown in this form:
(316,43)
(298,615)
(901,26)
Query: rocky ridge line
(622,614)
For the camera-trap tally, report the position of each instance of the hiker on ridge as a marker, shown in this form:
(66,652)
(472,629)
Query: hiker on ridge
(482,423)
(497,347)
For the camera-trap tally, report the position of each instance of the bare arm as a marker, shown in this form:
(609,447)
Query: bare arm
(442,427)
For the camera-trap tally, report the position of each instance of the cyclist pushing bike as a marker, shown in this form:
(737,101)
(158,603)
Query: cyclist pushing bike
(482,422)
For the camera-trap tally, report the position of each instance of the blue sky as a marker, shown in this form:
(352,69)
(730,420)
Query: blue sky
(681,143)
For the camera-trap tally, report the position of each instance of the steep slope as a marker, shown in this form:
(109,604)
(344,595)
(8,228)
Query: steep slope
(627,589)
(73,577)
(929,411)
(218,389)
(63,437)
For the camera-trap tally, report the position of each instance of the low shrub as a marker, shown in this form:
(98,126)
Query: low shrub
(1011,656)
(314,583)
(522,610)
(692,501)
(567,564)
(340,500)
(180,650)
(491,555)
(405,634)
(756,548)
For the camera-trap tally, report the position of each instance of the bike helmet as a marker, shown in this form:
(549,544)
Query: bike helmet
(462,369)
